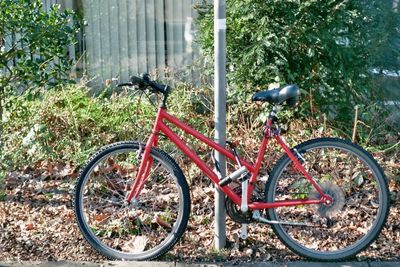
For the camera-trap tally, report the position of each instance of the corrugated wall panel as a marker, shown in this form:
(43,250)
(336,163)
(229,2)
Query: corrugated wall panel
(114,38)
(178,26)
(132,38)
(141,35)
(150,36)
(123,40)
(128,37)
(94,45)
(104,17)
(160,37)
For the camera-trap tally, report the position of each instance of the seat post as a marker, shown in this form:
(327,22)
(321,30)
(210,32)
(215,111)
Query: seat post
(274,112)
(272,119)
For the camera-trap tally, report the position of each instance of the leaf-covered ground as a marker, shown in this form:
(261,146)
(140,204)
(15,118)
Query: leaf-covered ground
(37,222)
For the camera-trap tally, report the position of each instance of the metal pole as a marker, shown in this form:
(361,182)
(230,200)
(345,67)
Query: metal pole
(220,114)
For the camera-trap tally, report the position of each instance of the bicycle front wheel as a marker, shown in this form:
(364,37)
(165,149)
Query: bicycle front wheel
(147,227)
(354,180)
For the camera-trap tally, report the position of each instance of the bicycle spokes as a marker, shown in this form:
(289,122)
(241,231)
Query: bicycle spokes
(142,225)
(350,221)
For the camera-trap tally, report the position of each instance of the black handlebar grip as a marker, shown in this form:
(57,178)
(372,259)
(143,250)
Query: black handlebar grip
(125,84)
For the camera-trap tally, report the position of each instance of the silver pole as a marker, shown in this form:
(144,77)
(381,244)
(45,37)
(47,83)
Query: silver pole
(220,114)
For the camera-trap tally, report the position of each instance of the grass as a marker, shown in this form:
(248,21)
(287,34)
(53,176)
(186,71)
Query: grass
(70,125)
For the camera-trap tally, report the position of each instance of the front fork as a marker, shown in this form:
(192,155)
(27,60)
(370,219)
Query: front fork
(147,160)
(145,167)
(143,173)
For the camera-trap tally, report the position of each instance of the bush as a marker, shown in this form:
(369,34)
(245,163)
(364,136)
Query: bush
(70,124)
(32,48)
(329,48)
(33,44)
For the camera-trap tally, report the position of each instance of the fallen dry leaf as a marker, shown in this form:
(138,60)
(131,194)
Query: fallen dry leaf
(29,226)
(38,225)
(161,222)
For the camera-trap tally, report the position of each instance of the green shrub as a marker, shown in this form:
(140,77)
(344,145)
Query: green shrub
(32,49)
(329,48)
(70,124)
(33,44)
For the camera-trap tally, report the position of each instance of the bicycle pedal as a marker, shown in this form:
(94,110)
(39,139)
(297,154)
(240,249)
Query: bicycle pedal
(243,231)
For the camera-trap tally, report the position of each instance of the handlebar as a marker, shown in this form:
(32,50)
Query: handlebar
(143,82)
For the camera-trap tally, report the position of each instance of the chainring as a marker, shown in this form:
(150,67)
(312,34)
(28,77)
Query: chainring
(234,211)
(335,192)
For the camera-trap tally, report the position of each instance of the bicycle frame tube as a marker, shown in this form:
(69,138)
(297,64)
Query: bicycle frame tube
(160,125)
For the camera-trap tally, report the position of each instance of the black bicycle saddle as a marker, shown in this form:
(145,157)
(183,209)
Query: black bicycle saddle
(289,93)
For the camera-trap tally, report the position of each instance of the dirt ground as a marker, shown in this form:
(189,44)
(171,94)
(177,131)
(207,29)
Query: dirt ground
(38,224)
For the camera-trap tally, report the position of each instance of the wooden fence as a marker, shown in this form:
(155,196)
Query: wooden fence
(127,37)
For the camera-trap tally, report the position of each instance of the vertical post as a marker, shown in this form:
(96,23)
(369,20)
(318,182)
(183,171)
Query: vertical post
(220,114)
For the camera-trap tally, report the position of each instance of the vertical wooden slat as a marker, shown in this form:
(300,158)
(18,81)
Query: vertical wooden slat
(150,35)
(89,37)
(63,3)
(160,35)
(141,35)
(123,40)
(188,37)
(178,33)
(196,76)
(114,38)
(45,5)
(132,38)
(169,32)
(95,58)
(105,39)
(79,6)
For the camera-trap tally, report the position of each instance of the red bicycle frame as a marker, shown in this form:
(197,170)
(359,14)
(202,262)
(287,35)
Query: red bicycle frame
(160,125)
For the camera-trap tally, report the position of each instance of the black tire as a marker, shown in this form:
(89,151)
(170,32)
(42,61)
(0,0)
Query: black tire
(359,188)
(144,230)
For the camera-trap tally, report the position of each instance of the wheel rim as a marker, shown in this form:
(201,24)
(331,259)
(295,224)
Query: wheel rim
(347,230)
(137,230)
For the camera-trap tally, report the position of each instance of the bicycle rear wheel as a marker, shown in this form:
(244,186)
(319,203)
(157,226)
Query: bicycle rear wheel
(352,178)
(144,229)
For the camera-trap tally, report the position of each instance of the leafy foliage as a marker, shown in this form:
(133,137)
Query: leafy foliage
(33,44)
(70,124)
(32,53)
(32,48)
(329,48)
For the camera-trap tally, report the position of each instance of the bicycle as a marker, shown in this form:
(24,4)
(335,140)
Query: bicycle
(326,199)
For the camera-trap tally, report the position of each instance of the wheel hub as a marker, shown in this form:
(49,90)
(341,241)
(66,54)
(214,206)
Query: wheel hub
(333,203)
